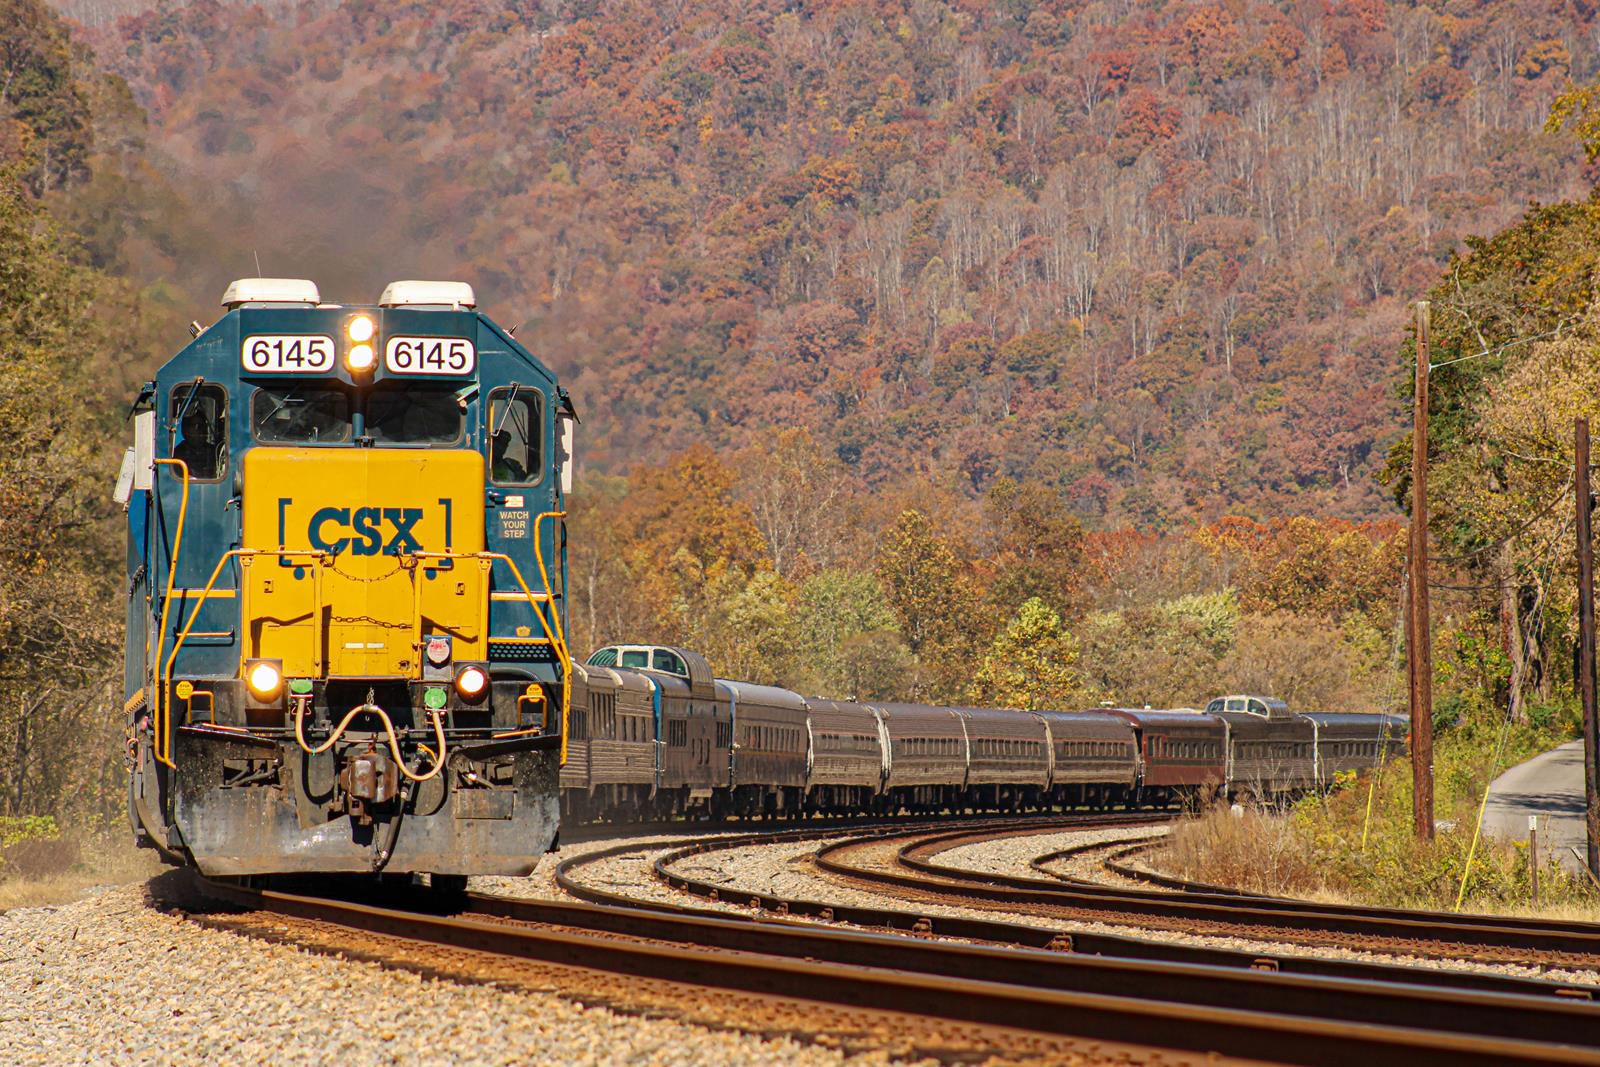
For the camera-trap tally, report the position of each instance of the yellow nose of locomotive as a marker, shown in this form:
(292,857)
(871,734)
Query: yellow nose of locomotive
(377,528)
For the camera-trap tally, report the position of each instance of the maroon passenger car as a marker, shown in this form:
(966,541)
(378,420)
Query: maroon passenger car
(1183,753)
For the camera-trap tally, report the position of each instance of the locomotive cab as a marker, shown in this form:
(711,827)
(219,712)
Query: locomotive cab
(346,564)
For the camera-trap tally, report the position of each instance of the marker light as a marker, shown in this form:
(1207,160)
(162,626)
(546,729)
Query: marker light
(360,328)
(360,357)
(471,682)
(263,678)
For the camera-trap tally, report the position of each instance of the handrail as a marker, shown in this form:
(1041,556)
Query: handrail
(554,634)
(557,640)
(561,626)
(163,750)
(163,702)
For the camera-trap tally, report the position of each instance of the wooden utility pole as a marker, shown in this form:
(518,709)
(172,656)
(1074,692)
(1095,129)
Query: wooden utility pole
(1419,640)
(1591,749)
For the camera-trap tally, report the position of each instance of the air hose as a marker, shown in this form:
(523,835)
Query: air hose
(434,716)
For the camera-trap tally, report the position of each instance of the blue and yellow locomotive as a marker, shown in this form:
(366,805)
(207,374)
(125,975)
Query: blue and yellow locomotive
(346,560)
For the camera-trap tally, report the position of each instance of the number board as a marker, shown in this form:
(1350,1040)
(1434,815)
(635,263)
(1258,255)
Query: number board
(287,353)
(430,355)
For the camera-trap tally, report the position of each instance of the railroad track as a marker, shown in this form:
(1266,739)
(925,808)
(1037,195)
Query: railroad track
(1003,991)
(1510,939)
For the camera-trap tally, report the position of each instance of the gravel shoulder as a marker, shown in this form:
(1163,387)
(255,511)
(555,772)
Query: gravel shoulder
(112,979)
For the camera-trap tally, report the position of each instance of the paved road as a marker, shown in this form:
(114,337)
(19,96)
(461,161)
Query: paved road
(1549,786)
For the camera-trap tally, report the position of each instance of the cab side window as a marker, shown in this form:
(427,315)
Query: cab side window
(515,434)
(198,429)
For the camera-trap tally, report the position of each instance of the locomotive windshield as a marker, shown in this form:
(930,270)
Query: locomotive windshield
(407,413)
(300,414)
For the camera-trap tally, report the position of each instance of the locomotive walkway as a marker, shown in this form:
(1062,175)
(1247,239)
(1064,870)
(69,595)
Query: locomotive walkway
(1549,786)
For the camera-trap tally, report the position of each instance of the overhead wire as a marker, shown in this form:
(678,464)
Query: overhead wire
(1501,348)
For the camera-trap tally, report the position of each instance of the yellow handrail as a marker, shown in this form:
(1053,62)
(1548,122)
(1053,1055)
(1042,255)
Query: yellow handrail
(164,680)
(163,749)
(561,626)
(553,635)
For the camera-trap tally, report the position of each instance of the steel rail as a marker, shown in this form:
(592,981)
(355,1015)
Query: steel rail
(1022,935)
(1476,930)
(1121,851)
(934,981)
(1477,1012)
(1465,931)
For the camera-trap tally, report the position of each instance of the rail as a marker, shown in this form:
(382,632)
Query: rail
(1441,934)
(1301,1020)
(1018,935)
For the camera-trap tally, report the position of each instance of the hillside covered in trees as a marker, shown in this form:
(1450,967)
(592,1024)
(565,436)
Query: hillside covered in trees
(1153,256)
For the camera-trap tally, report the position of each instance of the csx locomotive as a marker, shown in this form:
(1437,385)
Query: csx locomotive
(654,734)
(345,564)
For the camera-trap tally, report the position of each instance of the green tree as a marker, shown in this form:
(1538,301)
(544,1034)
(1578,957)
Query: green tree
(39,88)
(1031,665)
(923,581)
(1038,547)
(58,613)
(1579,108)
(846,625)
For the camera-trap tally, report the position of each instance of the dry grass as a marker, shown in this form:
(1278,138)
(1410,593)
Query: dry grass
(1255,852)
(1315,853)
(38,872)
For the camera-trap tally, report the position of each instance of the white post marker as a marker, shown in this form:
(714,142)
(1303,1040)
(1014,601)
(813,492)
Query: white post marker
(1533,856)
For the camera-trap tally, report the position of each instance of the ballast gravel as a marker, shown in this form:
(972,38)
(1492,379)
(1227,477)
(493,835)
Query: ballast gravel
(1014,856)
(112,979)
(783,869)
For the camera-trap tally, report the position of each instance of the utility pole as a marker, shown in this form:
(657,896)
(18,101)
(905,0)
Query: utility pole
(1591,749)
(1419,640)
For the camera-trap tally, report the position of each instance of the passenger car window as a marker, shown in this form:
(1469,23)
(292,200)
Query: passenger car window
(1257,708)
(1215,705)
(199,424)
(636,659)
(669,662)
(407,413)
(516,436)
(300,414)
(605,657)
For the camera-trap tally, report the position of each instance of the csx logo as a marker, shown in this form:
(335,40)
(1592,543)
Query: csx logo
(372,530)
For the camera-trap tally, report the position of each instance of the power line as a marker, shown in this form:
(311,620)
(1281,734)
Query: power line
(1496,351)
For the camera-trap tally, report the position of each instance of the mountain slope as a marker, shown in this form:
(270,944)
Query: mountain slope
(1154,257)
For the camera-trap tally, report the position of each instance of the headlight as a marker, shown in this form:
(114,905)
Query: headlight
(264,679)
(471,682)
(360,329)
(360,357)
